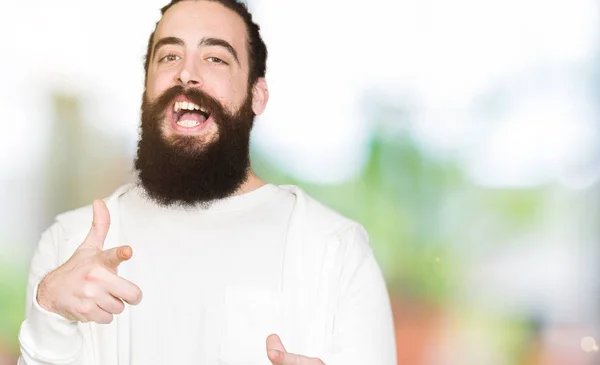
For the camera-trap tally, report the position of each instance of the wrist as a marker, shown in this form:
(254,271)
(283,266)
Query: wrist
(42,297)
(48,336)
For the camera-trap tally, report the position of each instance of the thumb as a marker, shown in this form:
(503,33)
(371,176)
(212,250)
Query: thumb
(100,226)
(279,356)
(275,350)
(285,358)
(115,256)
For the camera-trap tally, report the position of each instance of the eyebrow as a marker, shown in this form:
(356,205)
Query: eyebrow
(166,41)
(220,43)
(204,42)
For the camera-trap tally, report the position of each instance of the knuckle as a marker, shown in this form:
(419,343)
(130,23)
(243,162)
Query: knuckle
(92,275)
(85,308)
(88,292)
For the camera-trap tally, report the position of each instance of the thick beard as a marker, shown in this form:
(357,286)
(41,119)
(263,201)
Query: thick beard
(185,170)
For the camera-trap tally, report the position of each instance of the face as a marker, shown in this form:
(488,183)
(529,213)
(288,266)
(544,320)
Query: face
(198,108)
(203,45)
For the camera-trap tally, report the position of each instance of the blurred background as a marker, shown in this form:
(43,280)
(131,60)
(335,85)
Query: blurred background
(464,135)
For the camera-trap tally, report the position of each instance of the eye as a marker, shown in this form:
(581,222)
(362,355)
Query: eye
(216,60)
(169,58)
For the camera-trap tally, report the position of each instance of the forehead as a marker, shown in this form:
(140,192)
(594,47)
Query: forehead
(193,20)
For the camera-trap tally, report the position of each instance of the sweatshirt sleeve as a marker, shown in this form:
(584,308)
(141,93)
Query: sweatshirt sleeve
(47,338)
(364,326)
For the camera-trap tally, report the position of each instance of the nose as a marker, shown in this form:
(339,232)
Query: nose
(186,78)
(188,75)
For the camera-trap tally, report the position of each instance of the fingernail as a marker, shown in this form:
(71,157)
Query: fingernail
(274,354)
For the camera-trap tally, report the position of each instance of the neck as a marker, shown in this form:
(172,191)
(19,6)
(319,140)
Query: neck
(251,183)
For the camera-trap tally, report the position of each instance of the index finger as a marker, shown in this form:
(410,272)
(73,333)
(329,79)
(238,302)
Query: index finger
(115,256)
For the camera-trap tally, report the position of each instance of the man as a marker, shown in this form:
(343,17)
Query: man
(230,266)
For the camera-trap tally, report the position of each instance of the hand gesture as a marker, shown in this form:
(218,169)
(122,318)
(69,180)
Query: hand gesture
(279,356)
(87,288)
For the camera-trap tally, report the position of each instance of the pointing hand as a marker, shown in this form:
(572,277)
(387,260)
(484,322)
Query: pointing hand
(87,288)
(279,356)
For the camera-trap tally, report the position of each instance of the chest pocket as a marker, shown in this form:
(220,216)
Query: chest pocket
(250,316)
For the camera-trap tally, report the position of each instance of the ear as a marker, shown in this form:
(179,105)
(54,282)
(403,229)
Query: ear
(260,96)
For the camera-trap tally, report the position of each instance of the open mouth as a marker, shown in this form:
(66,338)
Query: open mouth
(189,115)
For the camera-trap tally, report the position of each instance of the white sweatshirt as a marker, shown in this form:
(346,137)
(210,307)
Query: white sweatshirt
(217,282)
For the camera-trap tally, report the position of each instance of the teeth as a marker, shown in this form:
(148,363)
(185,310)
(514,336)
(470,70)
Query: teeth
(186,106)
(187,123)
(192,106)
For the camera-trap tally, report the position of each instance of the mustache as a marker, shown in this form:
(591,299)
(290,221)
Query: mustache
(161,105)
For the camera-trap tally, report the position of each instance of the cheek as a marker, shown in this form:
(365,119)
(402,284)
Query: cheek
(218,88)
(229,91)
(241,89)
(157,84)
